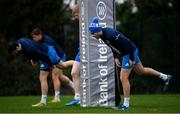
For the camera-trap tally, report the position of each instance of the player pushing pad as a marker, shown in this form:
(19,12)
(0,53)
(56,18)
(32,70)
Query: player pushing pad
(128,52)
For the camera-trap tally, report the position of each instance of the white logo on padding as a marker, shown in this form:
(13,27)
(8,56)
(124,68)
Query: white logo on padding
(101,10)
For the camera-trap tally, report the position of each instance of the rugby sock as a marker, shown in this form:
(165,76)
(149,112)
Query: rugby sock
(70,84)
(126,101)
(163,76)
(77,96)
(57,95)
(43,99)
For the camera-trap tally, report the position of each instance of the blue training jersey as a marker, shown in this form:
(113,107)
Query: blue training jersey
(34,50)
(49,41)
(119,43)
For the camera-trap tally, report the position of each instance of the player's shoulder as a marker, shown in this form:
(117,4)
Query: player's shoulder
(108,29)
(24,39)
(46,36)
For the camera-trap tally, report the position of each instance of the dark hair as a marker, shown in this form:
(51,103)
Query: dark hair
(12,47)
(36,31)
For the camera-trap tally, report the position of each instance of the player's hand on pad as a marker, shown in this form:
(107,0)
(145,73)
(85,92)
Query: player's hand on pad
(117,62)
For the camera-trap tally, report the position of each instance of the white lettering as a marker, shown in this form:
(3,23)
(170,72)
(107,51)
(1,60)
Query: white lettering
(103,71)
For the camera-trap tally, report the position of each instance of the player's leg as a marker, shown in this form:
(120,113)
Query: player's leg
(44,85)
(124,75)
(76,80)
(66,81)
(44,88)
(141,70)
(44,72)
(56,73)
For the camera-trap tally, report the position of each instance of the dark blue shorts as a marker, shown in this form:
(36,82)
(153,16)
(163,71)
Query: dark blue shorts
(126,60)
(44,66)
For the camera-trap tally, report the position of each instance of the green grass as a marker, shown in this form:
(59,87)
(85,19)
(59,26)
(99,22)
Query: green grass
(139,104)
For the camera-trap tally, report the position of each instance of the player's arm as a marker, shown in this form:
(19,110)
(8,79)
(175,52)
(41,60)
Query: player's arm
(117,62)
(63,65)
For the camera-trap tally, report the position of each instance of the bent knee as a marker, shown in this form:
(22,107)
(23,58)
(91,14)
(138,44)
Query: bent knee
(55,77)
(123,78)
(74,74)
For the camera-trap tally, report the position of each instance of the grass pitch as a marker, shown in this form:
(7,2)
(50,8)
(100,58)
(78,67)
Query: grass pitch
(139,104)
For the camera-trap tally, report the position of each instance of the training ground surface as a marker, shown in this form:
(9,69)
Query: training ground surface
(139,103)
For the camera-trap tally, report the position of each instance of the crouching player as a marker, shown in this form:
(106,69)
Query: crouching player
(38,52)
(57,74)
